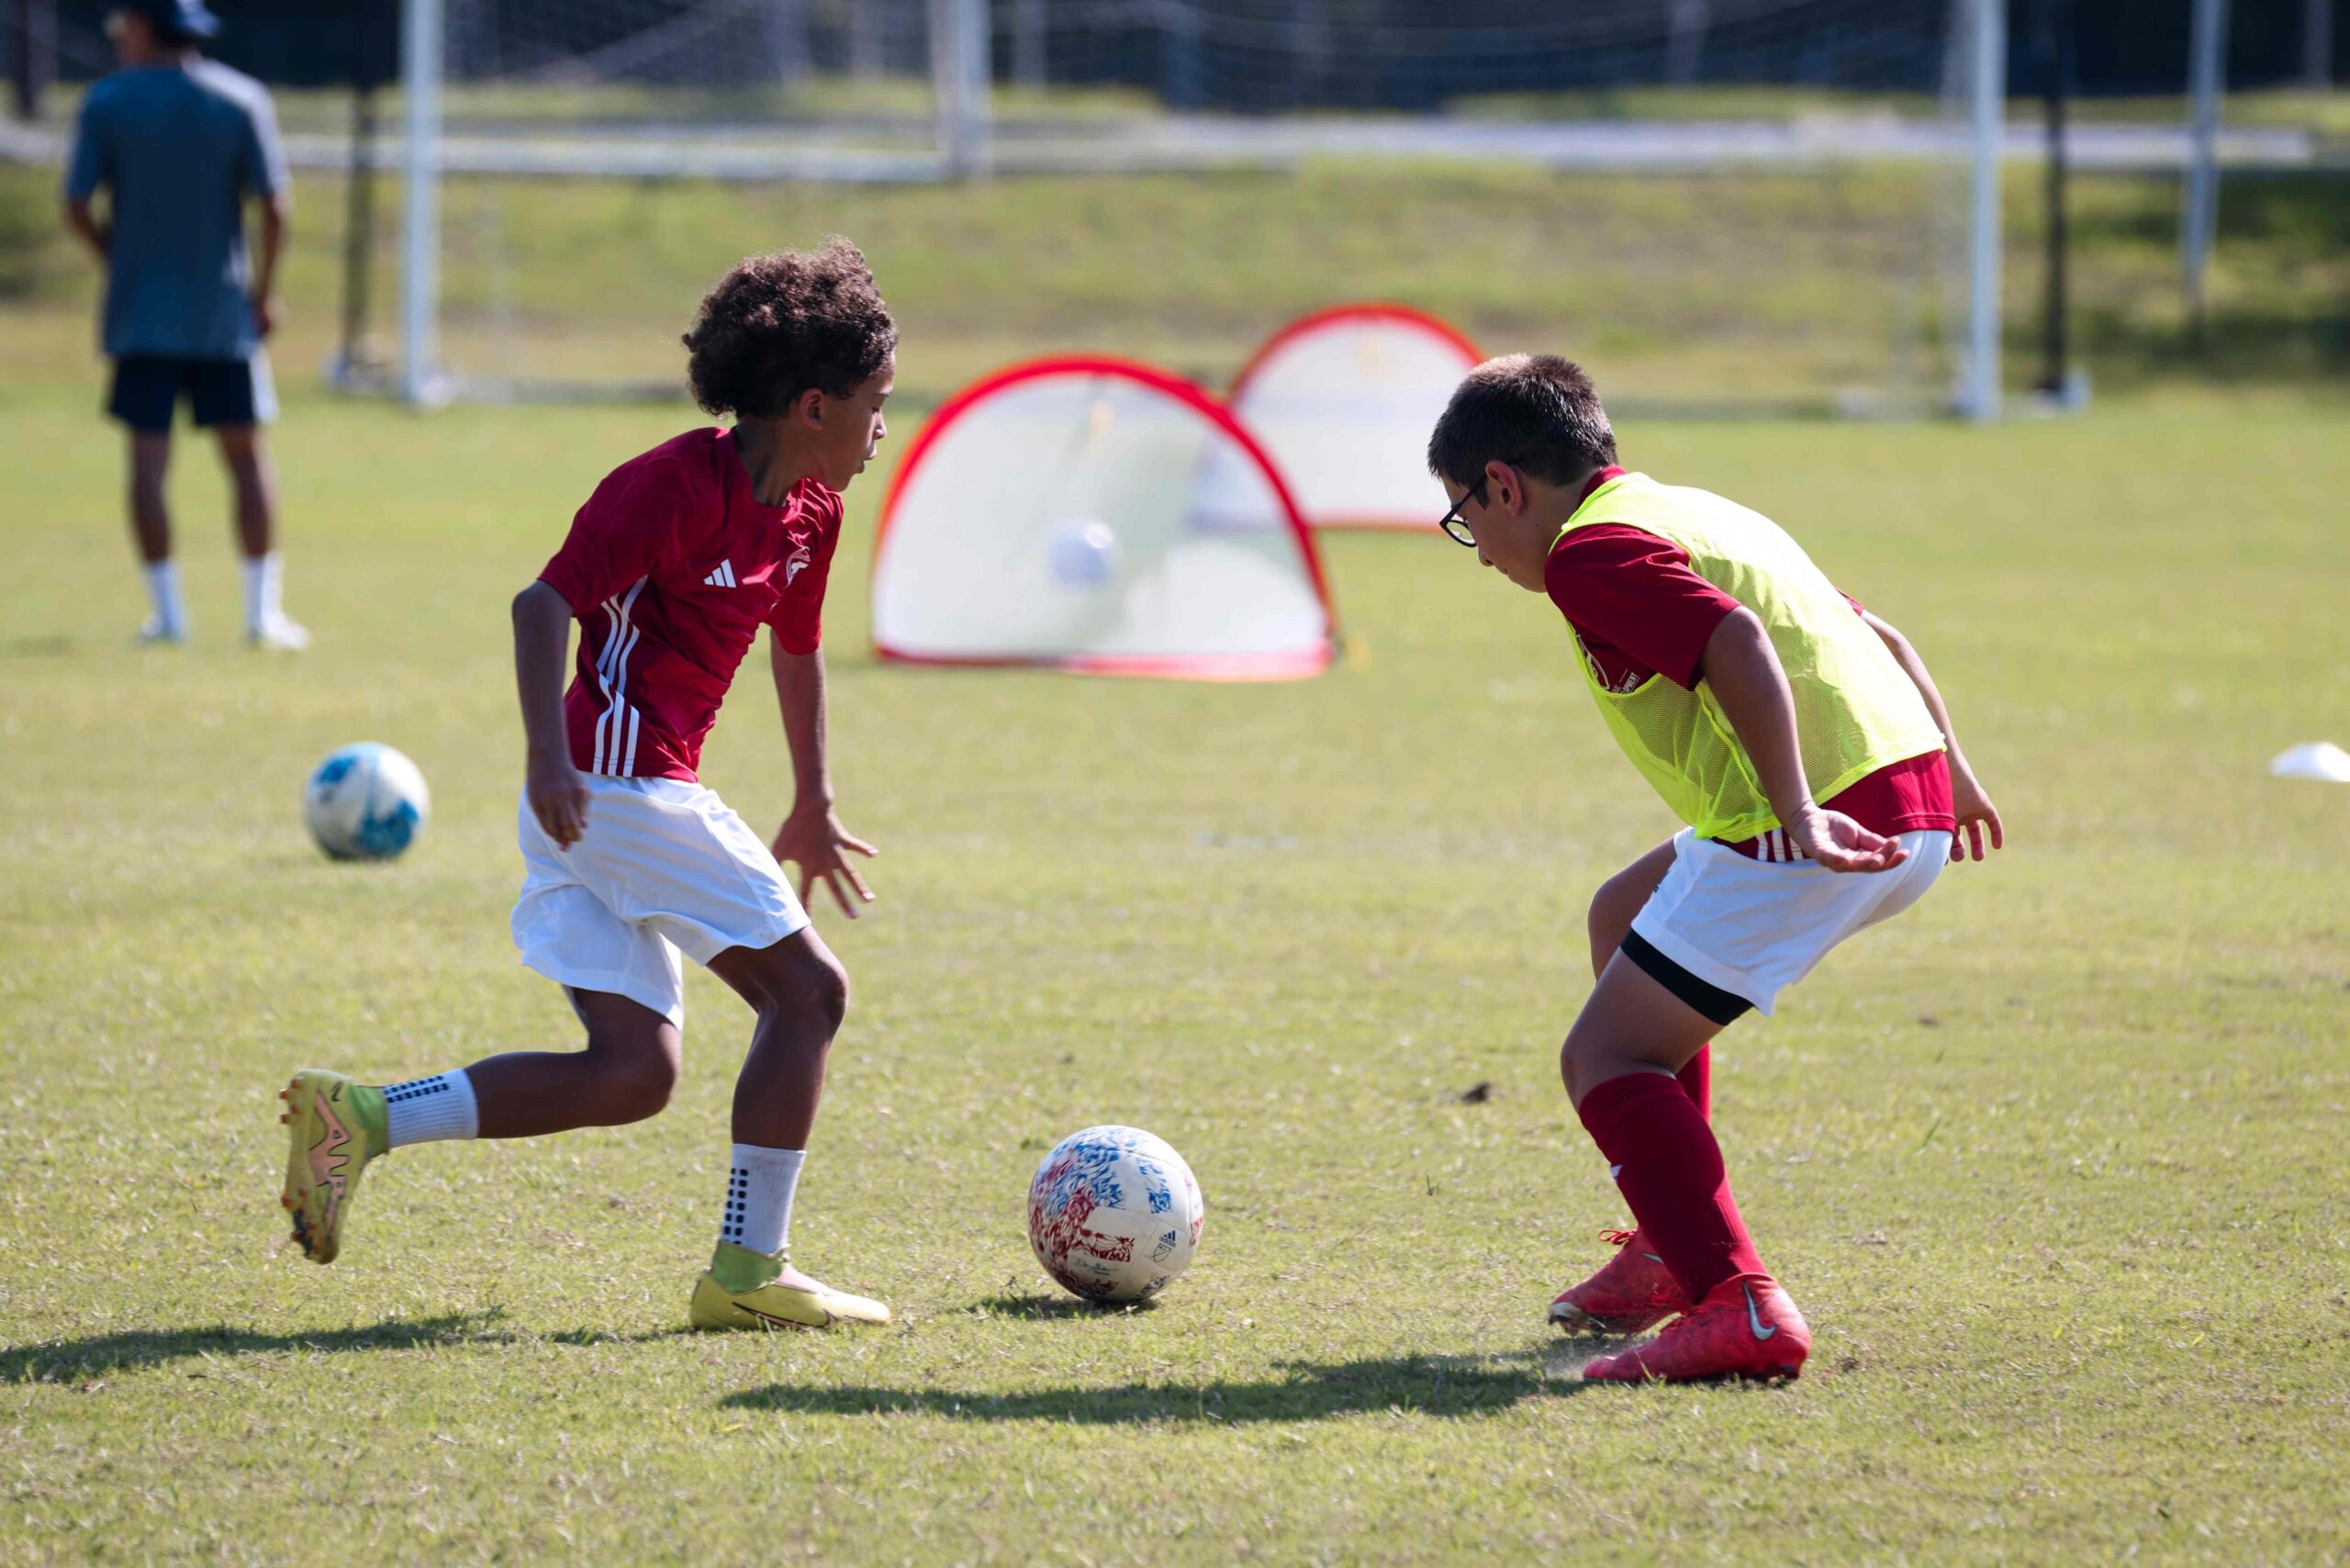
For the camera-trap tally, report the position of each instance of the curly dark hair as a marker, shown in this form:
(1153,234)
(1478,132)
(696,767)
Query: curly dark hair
(779,324)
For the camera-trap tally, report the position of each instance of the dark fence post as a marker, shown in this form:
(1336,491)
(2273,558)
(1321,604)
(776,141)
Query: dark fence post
(32,53)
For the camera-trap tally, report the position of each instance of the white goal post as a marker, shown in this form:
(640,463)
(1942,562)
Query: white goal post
(1978,377)
(902,91)
(421,383)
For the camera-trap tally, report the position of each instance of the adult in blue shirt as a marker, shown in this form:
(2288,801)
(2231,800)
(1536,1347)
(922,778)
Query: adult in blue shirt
(178,142)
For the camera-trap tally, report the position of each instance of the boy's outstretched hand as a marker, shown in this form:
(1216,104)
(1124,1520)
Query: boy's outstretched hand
(1838,843)
(813,839)
(1975,811)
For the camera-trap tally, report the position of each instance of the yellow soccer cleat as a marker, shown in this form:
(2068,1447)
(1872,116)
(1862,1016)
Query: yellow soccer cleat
(739,1290)
(336,1126)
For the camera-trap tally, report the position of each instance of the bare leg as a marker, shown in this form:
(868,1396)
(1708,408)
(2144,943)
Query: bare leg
(255,484)
(151,519)
(1630,1025)
(625,1075)
(1619,899)
(799,992)
(1613,908)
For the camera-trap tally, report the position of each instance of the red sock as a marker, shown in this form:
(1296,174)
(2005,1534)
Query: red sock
(1670,1171)
(1696,1076)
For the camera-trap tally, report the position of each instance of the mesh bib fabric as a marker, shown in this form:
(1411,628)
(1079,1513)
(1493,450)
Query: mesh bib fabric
(1855,710)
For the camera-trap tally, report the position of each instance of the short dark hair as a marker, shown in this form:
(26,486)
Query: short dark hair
(1536,411)
(779,324)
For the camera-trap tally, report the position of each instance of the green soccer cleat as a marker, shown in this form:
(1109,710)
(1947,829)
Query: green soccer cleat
(336,1127)
(740,1291)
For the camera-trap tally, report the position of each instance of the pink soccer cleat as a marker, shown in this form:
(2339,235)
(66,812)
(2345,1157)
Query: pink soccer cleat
(1632,1293)
(1746,1328)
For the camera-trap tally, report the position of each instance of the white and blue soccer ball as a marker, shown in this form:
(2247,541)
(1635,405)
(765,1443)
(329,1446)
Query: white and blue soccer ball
(1113,1214)
(1085,555)
(365,802)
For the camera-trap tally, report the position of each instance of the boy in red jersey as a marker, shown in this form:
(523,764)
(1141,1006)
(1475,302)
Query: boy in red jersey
(671,568)
(1804,743)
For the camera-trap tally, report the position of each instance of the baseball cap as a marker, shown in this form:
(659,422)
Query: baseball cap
(182,18)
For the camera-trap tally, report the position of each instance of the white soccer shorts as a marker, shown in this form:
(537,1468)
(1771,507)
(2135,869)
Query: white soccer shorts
(665,867)
(1745,930)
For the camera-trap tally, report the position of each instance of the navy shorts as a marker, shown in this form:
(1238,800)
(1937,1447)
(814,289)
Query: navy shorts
(148,389)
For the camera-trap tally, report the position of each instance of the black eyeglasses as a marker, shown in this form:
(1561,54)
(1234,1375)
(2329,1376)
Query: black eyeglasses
(1455,526)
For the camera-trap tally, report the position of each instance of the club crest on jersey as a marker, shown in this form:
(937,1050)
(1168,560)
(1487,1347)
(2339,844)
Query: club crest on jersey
(723,577)
(799,558)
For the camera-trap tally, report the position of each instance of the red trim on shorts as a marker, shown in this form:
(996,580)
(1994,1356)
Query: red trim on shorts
(1909,796)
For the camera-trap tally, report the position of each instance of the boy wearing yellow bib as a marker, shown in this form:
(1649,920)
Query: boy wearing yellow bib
(1803,743)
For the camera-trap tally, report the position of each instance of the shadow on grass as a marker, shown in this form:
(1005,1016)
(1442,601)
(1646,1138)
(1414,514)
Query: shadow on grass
(1418,1386)
(2242,345)
(1042,1308)
(138,1347)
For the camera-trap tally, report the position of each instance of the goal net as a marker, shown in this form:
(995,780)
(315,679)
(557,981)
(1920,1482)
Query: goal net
(1723,205)
(1343,399)
(1102,516)
(533,129)
(1729,204)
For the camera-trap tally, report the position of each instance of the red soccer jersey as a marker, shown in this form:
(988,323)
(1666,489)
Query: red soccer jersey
(672,567)
(1639,610)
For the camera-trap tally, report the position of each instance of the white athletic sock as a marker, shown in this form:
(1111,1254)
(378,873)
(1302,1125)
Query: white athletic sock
(758,1198)
(263,575)
(164,588)
(427,1109)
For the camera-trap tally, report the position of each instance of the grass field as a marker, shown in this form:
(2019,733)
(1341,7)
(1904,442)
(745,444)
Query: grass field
(2054,1166)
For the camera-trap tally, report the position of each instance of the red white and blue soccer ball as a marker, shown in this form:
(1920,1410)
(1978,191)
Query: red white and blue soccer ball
(365,802)
(1113,1214)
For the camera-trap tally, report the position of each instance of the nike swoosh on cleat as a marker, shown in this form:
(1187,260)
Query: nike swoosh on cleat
(769,1317)
(1754,1318)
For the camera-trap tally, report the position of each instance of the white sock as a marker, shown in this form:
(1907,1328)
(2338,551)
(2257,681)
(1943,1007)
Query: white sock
(263,599)
(164,588)
(758,1198)
(427,1109)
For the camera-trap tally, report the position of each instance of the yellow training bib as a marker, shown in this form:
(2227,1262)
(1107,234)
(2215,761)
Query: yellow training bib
(1855,710)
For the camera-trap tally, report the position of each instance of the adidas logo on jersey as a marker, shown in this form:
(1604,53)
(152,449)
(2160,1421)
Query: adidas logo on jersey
(723,577)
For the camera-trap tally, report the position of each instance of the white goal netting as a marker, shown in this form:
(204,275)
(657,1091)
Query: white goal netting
(549,122)
(1727,204)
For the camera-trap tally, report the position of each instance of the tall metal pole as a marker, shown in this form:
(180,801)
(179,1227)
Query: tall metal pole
(359,234)
(2055,52)
(2317,42)
(421,65)
(2200,223)
(1028,43)
(959,74)
(1181,84)
(865,47)
(1685,44)
(785,30)
(1978,396)
(1308,25)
